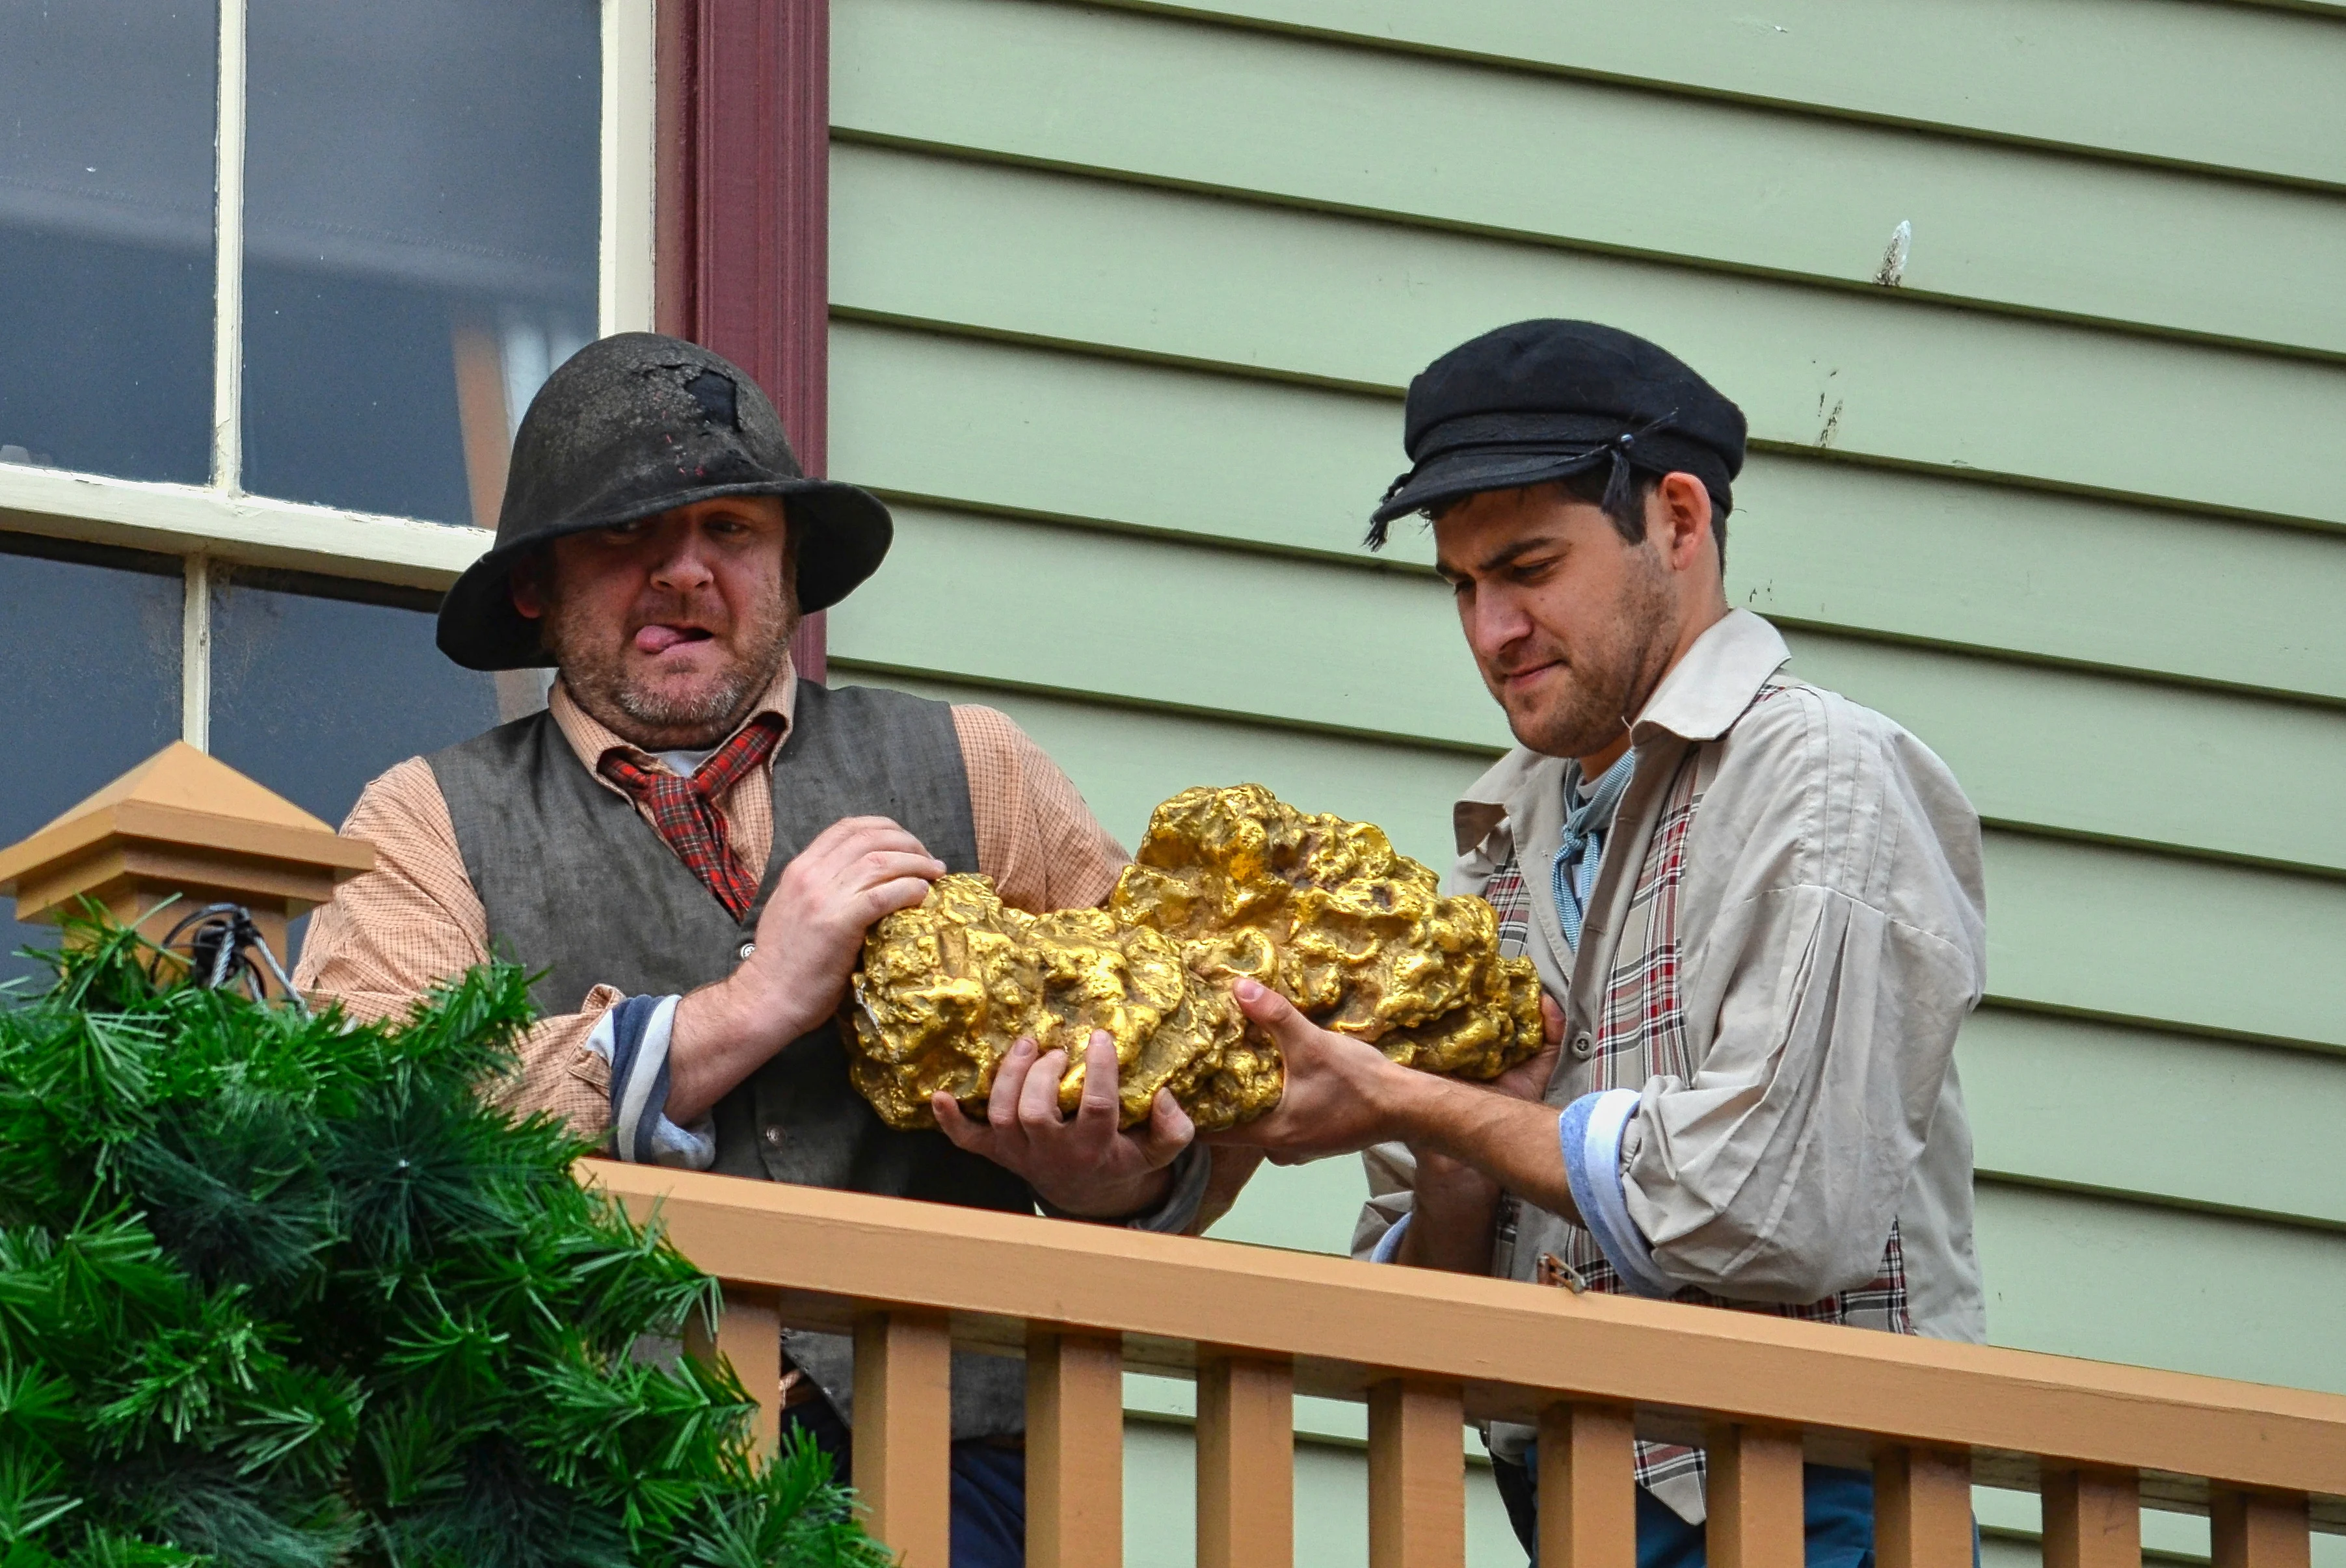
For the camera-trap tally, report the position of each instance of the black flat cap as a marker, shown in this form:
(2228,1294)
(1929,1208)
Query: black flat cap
(1547,400)
(630,426)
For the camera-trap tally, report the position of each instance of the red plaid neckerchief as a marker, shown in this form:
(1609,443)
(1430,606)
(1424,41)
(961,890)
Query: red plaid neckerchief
(684,810)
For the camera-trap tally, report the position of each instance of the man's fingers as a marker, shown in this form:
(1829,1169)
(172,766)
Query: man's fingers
(874,868)
(1273,1012)
(964,1133)
(1551,1020)
(1167,1132)
(1262,1003)
(1039,1101)
(1009,1081)
(837,846)
(1099,1102)
(872,904)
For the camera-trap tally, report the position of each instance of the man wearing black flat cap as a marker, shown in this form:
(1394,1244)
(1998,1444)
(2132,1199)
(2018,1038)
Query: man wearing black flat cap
(1756,909)
(691,843)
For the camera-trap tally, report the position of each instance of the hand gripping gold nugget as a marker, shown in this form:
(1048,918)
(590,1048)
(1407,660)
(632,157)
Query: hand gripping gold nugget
(1227,882)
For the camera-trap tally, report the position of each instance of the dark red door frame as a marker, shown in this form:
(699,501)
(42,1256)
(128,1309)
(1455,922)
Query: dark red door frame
(742,224)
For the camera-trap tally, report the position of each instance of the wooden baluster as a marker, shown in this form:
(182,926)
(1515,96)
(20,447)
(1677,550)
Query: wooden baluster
(1075,1451)
(2258,1528)
(1921,1508)
(903,1432)
(1246,1464)
(1757,1517)
(2093,1518)
(1417,1475)
(1587,1487)
(749,1335)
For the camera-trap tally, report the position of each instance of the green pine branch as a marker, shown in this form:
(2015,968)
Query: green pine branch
(292,1292)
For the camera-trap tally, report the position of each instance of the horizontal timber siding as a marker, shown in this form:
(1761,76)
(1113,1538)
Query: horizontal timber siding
(1376,653)
(1123,300)
(2249,88)
(1899,553)
(1282,291)
(1535,157)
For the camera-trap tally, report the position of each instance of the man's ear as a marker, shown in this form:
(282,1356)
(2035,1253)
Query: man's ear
(1685,507)
(526,582)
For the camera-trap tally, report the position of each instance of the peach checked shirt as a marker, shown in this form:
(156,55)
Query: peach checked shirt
(414,921)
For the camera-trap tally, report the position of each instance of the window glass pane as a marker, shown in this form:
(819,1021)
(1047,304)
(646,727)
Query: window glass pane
(106,236)
(89,640)
(421,214)
(318,686)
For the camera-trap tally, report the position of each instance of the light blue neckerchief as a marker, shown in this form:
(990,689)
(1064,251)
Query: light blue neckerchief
(1586,825)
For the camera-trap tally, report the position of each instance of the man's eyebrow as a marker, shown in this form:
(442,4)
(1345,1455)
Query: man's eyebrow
(1504,556)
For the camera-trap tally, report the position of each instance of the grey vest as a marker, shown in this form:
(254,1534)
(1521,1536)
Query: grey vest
(575,883)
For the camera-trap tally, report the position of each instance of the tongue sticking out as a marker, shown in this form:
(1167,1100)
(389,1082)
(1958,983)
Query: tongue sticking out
(659,639)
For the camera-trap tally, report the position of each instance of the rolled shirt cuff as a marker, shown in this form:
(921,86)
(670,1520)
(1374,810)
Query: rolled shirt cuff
(632,1036)
(1388,1247)
(1193,1167)
(1589,1130)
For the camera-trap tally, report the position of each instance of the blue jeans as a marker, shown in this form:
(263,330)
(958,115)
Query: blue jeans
(1838,1509)
(989,1488)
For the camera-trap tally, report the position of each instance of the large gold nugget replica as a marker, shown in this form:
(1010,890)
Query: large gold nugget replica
(947,986)
(1227,882)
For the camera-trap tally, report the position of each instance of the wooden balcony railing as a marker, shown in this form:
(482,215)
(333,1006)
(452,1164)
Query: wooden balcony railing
(1428,1351)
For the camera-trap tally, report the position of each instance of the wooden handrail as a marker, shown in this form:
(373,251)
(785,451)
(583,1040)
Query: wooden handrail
(1417,1343)
(1425,1350)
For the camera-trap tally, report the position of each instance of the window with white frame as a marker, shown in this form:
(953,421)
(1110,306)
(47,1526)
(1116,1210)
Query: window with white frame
(277,279)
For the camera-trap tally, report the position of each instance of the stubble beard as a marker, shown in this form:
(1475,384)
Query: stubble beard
(1612,674)
(595,670)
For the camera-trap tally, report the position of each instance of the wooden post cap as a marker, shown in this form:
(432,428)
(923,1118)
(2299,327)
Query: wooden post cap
(185,826)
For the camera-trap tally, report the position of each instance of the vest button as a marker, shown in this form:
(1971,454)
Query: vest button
(746,951)
(1583,1045)
(773,1136)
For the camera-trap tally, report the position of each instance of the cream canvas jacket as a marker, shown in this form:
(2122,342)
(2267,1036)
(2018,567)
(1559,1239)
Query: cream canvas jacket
(1832,937)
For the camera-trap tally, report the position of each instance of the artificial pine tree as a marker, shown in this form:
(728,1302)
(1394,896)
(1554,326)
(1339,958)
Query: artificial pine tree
(284,1291)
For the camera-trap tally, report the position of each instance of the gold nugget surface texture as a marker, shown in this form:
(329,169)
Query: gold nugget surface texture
(1227,882)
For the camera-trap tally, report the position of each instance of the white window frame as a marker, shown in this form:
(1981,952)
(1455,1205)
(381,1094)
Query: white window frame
(216,520)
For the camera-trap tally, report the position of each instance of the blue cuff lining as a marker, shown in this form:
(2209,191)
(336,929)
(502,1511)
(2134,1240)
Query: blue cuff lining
(633,1037)
(1589,1133)
(1388,1247)
(638,1081)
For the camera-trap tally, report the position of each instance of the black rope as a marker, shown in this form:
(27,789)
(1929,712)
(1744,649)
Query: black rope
(220,940)
(1619,484)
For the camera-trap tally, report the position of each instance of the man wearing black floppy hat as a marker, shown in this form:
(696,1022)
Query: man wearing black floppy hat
(691,843)
(1756,909)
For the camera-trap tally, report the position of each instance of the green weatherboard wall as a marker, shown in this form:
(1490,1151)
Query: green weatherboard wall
(1124,298)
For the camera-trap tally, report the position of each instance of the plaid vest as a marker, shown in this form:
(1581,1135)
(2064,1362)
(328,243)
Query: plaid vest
(1641,1034)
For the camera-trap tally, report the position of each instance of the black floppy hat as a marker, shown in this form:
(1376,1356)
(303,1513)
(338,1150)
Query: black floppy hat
(630,426)
(1545,399)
